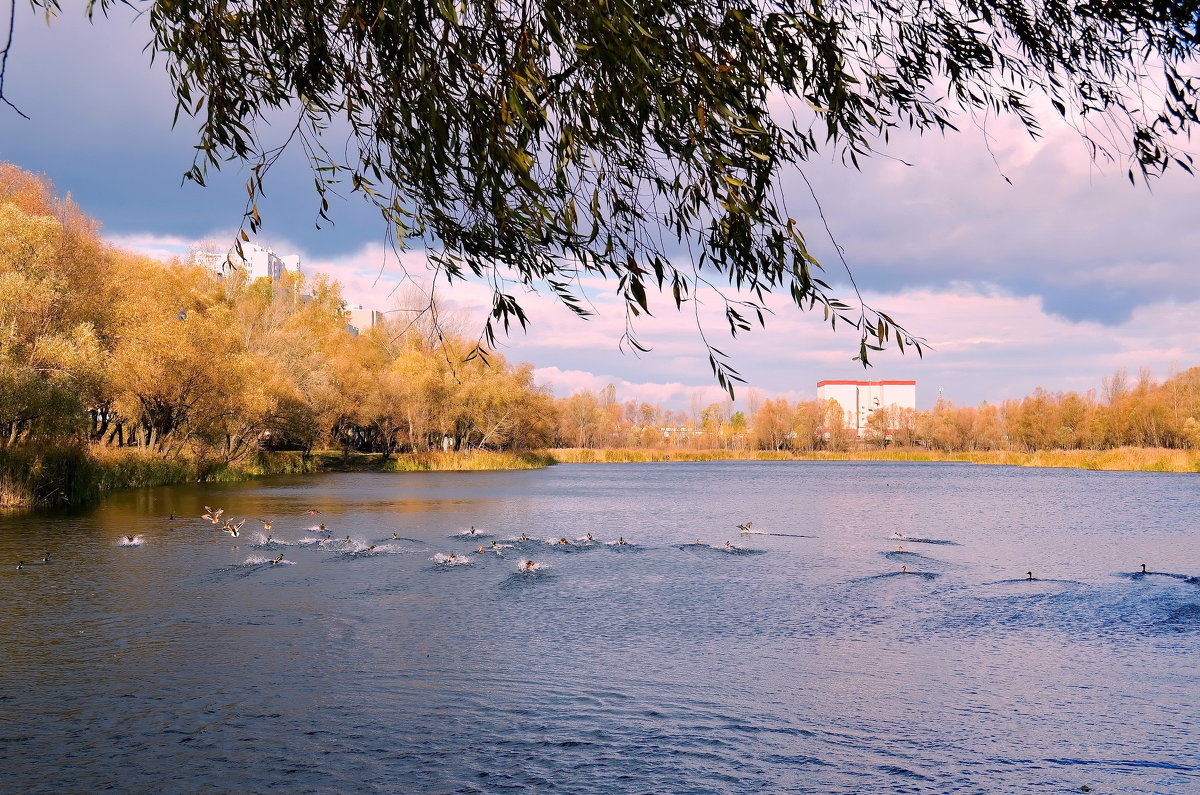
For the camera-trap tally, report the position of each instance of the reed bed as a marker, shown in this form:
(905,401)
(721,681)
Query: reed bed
(1133,459)
(466,461)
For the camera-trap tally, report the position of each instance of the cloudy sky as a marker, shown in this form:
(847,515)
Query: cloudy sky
(1054,280)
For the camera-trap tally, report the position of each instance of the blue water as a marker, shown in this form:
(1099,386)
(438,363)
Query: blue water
(187,662)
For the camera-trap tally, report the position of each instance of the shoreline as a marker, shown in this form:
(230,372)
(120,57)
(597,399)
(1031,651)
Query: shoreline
(1119,459)
(68,477)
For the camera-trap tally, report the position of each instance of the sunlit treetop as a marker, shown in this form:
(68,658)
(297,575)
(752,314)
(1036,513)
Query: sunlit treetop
(534,144)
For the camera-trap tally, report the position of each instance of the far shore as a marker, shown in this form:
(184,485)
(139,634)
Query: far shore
(77,476)
(1128,459)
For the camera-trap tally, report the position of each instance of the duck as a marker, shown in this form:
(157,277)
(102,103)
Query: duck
(266,523)
(46,558)
(234,530)
(1144,571)
(212,514)
(312,512)
(1029,577)
(744,527)
(20,565)
(277,560)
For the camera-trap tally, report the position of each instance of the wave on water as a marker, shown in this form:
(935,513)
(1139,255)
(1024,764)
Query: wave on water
(1185,617)
(401,538)
(131,541)
(530,567)
(739,551)
(263,540)
(572,546)
(1142,575)
(358,549)
(915,540)
(255,560)
(924,575)
(628,546)
(904,556)
(471,533)
(451,559)
(524,578)
(724,550)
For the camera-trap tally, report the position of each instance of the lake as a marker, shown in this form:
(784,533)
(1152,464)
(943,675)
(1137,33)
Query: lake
(802,660)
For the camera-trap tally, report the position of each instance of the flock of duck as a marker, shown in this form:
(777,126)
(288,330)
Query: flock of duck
(233,528)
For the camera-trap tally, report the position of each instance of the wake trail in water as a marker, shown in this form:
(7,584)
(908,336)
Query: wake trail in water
(452,559)
(571,546)
(724,550)
(904,556)
(923,575)
(131,541)
(255,562)
(914,540)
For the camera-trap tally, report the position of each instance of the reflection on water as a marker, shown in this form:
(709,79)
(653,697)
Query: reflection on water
(822,656)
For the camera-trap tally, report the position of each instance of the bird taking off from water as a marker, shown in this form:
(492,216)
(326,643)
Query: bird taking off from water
(312,512)
(212,514)
(744,527)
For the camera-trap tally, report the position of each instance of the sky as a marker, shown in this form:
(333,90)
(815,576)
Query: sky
(1021,262)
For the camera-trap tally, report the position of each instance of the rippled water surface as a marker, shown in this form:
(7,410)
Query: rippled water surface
(802,660)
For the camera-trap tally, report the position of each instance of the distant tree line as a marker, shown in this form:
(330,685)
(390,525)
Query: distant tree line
(1137,412)
(103,346)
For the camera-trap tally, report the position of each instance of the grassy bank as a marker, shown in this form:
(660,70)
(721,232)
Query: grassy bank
(76,475)
(1134,459)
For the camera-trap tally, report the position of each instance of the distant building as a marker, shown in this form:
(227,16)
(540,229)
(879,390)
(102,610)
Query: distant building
(257,261)
(860,399)
(359,320)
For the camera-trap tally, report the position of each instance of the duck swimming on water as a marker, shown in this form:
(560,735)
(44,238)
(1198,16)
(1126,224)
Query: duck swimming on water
(1029,577)
(1144,569)
(744,527)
